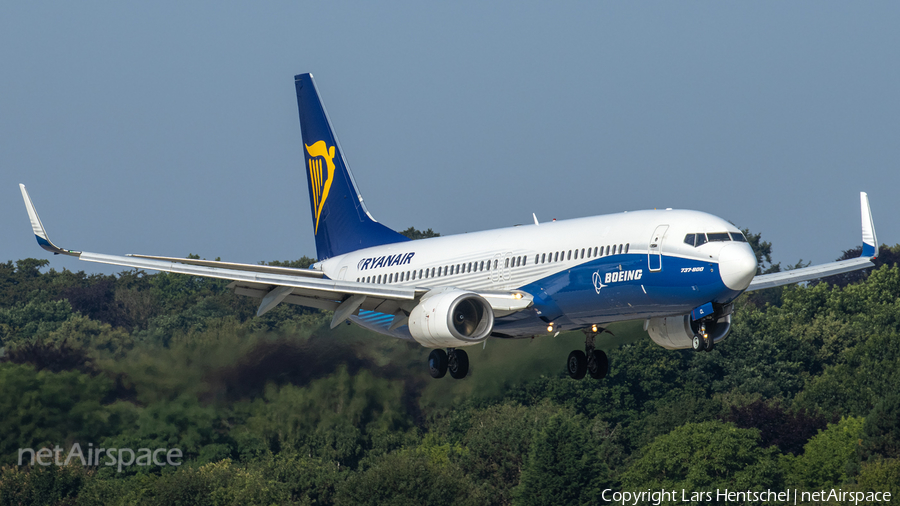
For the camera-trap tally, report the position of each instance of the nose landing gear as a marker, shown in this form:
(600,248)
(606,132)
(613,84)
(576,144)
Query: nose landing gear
(702,340)
(453,360)
(592,361)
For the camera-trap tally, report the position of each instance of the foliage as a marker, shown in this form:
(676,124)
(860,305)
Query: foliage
(705,456)
(406,477)
(829,458)
(564,466)
(880,436)
(786,428)
(45,409)
(414,234)
(280,409)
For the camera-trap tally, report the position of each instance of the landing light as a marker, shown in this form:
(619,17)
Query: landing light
(550,328)
(593,328)
(518,295)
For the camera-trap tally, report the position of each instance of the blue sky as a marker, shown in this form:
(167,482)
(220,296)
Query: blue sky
(171,128)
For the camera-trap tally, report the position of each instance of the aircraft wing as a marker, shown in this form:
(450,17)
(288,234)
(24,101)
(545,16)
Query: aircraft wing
(869,252)
(306,287)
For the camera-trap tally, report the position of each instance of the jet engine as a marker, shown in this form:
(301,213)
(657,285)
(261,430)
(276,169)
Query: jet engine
(451,318)
(677,332)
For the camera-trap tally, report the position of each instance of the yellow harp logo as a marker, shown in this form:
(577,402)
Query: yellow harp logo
(320,187)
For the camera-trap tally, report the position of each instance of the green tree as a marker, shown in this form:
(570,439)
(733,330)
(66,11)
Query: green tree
(414,234)
(21,486)
(406,477)
(881,431)
(881,476)
(43,408)
(563,466)
(829,458)
(705,456)
(497,445)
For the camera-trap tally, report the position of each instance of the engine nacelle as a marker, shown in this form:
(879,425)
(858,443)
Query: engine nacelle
(677,332)
(450,318)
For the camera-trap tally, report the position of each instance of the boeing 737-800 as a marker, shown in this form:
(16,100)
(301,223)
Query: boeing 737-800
(678,271)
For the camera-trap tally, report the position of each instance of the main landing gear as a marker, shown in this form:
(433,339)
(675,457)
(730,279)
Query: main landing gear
(702,341)
(453,360)
(594,362)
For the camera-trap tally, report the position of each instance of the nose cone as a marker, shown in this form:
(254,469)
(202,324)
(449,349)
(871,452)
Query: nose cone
(737,265)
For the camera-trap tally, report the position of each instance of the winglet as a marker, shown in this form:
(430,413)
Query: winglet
(870,242)
(39,232)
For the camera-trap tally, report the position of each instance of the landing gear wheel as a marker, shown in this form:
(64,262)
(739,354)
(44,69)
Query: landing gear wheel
(598,364)
(577,364)
(437,363)
(697,343)
(458,364)
(708,344)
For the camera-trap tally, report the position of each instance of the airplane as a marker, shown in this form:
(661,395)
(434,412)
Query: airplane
(679,271)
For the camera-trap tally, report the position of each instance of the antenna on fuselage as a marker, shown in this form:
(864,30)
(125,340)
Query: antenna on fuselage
(535,219)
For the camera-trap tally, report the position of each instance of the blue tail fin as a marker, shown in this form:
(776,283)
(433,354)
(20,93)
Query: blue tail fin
(340,219)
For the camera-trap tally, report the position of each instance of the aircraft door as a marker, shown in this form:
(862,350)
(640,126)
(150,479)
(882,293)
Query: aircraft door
(501,271)
(495,266)
(654,252)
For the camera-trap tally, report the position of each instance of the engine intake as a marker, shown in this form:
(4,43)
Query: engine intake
(447,318)
(677,332)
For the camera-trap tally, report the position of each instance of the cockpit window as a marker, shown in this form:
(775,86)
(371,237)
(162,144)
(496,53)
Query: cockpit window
(700,239)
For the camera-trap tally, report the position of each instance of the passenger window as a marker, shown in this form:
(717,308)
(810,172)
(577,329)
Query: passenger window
(739,237)
(495,264)
(595,251)
(556,256)
(589,252)
(543,257)
(569,256)
(607,251)
(507,263)
(524,260)
(689,239)
(719,237)
(626,248)
(379,279)
(701,239)
(621,248)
